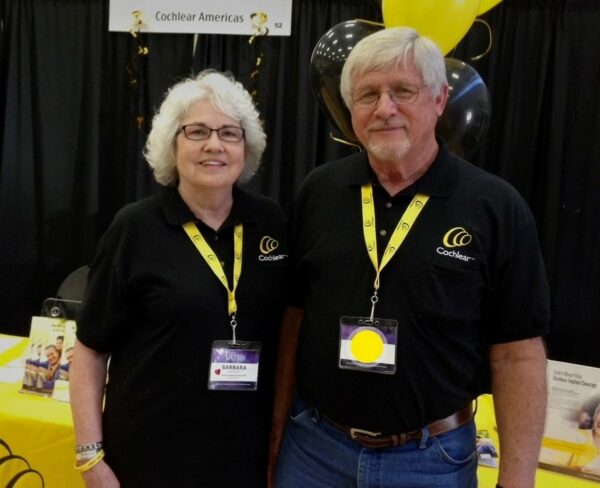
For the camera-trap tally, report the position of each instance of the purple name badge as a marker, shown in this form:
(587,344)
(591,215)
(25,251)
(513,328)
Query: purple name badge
(234,367)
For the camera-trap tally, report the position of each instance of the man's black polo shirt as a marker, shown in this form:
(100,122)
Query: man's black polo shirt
(451,300)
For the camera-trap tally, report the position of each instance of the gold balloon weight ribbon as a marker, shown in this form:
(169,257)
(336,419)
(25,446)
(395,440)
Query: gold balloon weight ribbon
(136,66)
(135,31)
(259,21)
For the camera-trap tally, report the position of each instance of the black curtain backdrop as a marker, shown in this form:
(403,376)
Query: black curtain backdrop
(76,103)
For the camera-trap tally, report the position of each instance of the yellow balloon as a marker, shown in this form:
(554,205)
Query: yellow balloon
(485,5)
(443,21)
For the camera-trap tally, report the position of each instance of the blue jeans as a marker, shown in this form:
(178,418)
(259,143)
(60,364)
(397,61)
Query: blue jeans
(316,454)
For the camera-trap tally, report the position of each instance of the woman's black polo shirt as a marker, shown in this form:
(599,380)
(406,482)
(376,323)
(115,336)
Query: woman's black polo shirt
(155,305)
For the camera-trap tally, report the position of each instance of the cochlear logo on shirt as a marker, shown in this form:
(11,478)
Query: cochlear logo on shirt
(267,246)
(455,237)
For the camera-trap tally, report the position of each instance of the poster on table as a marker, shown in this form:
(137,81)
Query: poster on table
(241,17)
(48,356)
(571,442)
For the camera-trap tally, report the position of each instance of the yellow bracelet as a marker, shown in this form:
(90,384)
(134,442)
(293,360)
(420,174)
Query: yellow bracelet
(91,463)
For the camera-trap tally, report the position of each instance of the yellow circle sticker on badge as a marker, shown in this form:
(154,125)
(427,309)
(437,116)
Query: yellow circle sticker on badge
(366,346)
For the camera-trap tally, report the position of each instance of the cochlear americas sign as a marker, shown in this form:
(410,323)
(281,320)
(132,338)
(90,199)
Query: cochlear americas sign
(241,17)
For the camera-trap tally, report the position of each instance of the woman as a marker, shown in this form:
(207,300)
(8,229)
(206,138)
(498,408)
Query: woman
(174,308)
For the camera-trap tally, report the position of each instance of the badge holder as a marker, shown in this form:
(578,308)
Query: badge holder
(234,364)
(368,344)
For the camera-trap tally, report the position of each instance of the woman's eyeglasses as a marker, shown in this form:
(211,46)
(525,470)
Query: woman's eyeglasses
(199,132)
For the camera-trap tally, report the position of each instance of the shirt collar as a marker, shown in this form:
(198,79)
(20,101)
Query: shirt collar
(176,212)
(439,181)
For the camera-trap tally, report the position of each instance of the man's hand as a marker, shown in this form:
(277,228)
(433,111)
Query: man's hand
(519,391)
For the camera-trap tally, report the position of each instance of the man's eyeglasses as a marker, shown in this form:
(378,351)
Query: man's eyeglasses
(400,95)
(199,132)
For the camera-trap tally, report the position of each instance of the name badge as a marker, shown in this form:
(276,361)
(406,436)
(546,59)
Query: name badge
(234,366)
(368,345)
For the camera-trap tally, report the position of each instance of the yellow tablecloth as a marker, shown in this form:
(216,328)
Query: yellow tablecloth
(38,431)
(36,435)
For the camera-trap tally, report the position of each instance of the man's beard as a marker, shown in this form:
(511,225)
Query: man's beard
(389,151)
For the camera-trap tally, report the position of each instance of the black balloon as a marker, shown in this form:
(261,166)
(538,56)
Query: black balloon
(465,121)
(328,58)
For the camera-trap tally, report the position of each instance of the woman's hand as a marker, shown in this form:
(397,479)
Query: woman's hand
(100,476)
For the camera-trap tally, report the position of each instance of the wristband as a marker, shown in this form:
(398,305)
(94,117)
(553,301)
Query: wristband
(90,446)
(91,463)
(82,457)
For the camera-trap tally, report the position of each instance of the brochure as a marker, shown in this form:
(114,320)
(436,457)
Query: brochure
(571,442)
(49,354)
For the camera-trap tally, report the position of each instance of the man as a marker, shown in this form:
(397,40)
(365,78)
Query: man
(415,271)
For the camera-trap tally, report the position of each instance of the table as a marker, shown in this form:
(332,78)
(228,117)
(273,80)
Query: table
(41,431)
(37,432)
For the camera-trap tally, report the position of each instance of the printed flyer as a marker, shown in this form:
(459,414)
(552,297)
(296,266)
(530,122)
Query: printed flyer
(49,355)
(571,442)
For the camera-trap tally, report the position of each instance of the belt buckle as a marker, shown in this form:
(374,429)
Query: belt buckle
(354,431)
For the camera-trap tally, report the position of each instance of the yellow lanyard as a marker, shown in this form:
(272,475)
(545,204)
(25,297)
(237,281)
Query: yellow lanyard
(400,232)
(213,261)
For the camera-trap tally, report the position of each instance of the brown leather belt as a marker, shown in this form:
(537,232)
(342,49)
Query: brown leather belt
(379,440)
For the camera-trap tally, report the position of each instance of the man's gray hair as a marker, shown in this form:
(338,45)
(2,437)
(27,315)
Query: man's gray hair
(392,47)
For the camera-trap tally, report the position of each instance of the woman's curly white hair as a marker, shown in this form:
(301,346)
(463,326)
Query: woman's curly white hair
(226,95)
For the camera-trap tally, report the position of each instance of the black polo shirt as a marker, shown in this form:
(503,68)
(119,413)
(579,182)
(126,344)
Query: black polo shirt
(156,306)
(451,298)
